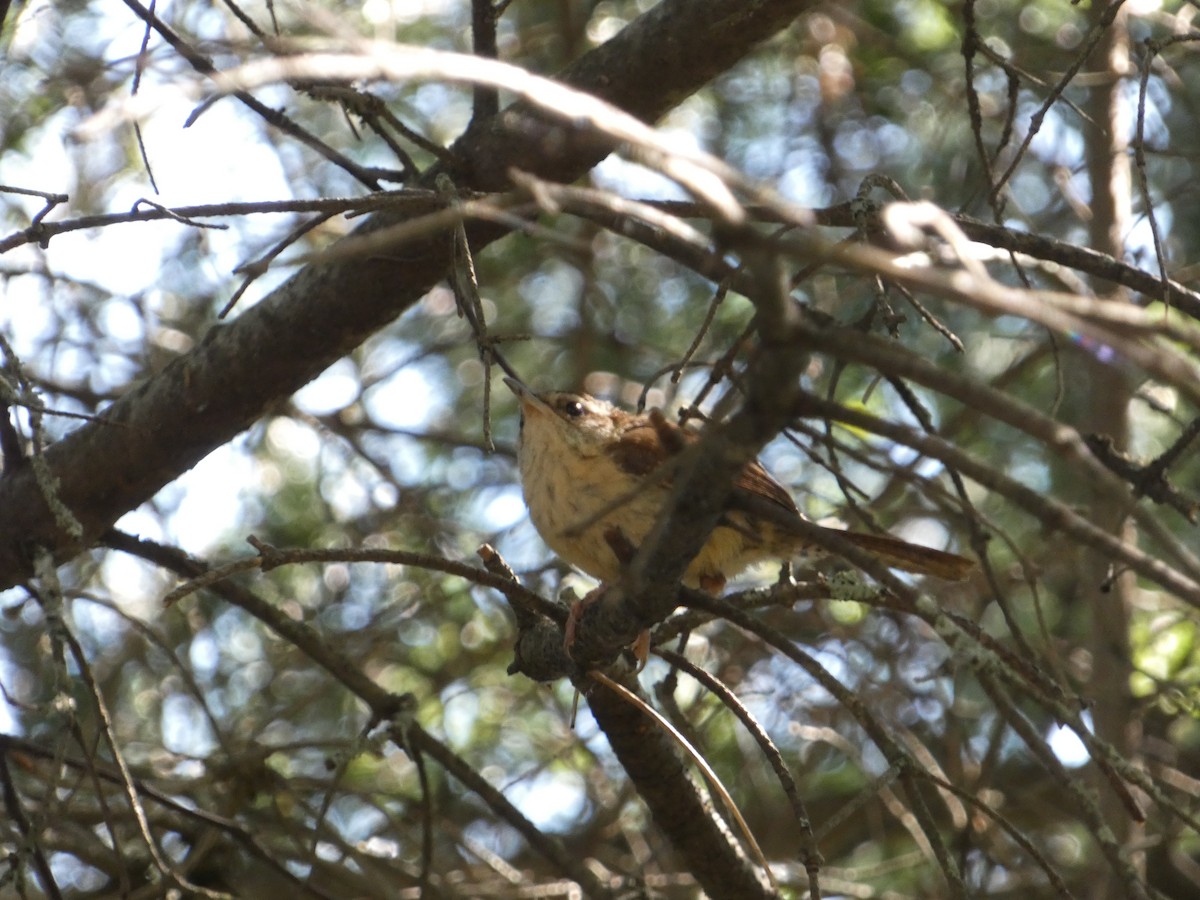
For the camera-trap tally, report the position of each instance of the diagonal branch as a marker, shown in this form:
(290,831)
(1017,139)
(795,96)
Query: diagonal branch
(678,805)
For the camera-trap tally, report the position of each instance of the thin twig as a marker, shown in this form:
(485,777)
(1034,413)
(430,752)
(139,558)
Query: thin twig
(30,841)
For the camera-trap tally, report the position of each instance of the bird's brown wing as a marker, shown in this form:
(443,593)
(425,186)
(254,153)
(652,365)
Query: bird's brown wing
(639,448)
(755,480)
(645,443)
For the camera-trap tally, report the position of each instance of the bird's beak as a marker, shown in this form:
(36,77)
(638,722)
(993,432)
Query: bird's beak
(531,403)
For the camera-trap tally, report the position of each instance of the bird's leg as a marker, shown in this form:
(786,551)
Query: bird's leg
(624,550)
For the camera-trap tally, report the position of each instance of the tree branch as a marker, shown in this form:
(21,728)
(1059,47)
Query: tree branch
(678,805)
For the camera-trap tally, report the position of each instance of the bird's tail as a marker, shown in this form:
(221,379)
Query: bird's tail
(913,558)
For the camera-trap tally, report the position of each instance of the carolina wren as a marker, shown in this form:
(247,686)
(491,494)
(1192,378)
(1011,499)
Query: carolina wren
(588,467)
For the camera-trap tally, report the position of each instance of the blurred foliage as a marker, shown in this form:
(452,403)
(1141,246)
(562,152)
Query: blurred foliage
(386,449)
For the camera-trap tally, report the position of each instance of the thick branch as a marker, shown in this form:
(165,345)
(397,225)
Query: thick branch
(679,807)
(168,423)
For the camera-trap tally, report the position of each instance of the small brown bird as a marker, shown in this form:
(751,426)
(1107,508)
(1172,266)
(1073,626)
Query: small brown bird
(588,467)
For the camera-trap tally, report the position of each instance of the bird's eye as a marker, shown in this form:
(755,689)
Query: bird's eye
(573,408)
